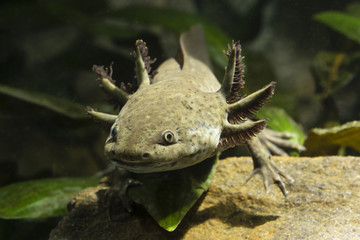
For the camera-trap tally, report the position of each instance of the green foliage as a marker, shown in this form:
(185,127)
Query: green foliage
(169,196)
(333,71)
(328,141)
(336,72)
(344,23)
(40,198)
(59,105)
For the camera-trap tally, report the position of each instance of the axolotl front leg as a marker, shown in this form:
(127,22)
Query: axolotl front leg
(264,166)
(260,143)
(266,143)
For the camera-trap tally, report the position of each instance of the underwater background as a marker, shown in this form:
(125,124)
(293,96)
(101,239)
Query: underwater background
(47,50)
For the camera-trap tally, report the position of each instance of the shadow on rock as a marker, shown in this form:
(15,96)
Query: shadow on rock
(229,213)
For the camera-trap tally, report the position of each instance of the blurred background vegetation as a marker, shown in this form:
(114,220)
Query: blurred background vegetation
(47,49)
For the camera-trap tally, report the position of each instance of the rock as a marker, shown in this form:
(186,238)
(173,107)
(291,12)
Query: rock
(323,203)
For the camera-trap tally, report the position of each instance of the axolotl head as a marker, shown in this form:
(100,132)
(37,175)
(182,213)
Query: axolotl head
(166,126)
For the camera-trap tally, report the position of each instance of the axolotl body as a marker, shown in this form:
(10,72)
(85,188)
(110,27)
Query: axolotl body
(182,115)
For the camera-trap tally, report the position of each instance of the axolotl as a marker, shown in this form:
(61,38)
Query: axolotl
(182,115)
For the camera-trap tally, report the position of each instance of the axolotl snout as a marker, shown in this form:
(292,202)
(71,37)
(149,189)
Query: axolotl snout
(182,115)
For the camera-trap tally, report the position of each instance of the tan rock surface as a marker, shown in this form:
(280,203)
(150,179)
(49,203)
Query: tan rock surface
(323,203)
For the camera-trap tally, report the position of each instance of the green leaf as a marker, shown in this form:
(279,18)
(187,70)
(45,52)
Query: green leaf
(40,198)
(327,141)
(346,24)
(59,105)
(168,196)
(333,71)
(280,121)
(178,22)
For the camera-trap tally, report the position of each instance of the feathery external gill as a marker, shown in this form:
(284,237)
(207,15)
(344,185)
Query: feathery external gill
(234,135)
(116,95)
(143,51)
(247,106)
(238,77)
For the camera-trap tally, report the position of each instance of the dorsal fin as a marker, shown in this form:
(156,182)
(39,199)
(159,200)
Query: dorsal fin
(193,45)
(194,60)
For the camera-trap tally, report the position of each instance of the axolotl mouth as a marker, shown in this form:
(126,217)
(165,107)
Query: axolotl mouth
(147,165)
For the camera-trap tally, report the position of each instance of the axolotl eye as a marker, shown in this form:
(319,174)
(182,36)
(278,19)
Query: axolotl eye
(168,137)
(113,133)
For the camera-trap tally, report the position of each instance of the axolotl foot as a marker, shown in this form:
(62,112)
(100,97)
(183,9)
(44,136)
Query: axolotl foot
(264,166)
(278,143)
(271,175)
(121,181)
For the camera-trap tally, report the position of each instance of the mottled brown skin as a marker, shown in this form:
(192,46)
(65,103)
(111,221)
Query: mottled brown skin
(194,117)
(180,118)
